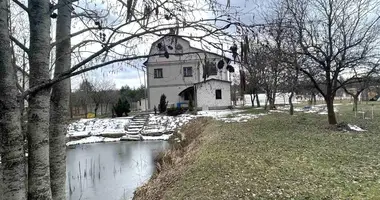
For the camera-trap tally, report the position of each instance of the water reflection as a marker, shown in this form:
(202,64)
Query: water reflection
(110,170)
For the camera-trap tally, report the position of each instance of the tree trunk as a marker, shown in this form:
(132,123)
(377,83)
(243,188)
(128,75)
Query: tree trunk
(330,110)
(257,100)
(355,105)
(71,104)
(13,176)
(60,104)
(39,102)
(271,102)
(314,100)
(252,100)
(291,110)
(96,108)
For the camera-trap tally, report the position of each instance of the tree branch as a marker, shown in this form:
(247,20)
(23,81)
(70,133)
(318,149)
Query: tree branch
(19,44)
(21,5)
(21,70)
(71,73)
(56,6)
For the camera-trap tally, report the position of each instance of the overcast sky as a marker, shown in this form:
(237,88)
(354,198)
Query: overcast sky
(133,76)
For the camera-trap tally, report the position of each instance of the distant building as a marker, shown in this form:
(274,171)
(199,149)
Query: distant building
(182,76)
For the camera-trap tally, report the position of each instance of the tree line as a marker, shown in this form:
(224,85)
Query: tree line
(318,47)
(101,97)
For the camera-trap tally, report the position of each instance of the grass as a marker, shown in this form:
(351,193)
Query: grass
(279,157)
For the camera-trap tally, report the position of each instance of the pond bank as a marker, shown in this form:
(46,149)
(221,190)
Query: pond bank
(276,156)
(171,164)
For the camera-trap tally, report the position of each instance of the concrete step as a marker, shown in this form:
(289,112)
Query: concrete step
(133,132)
(134,129)
(139,120)
(136,123)
(136,126)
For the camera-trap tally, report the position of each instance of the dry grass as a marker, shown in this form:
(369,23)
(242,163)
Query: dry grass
(171,164)
(273,157)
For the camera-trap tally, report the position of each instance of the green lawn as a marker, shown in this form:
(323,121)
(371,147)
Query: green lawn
(279,156)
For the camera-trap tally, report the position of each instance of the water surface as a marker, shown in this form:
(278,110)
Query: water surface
(110,171)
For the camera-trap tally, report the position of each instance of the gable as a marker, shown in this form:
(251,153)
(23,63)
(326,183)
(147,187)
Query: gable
(176,45)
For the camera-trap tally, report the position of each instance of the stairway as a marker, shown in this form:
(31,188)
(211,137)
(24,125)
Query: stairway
(135,126)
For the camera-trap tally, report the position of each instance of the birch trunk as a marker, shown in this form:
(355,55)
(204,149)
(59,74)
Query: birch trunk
(60,103)
(12,171)
(39,102)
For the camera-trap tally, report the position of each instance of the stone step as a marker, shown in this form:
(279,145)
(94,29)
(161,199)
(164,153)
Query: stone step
(134,129)
(136,126)
(136,123)
(142,120)
(133,132)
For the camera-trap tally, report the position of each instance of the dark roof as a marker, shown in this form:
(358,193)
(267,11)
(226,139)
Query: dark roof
(212,79)
(189,89)
(203,51)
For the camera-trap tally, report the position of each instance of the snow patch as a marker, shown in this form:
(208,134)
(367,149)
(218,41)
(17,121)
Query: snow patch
(355,128)
(91,127)
(92,139)
(162,137)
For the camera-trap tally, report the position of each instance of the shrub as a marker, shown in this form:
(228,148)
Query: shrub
(127,107)
(121,107)
(163,104)
(175,111)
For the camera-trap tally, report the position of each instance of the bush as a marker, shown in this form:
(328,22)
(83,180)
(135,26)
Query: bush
(122,107)
(163,104)
(175,111)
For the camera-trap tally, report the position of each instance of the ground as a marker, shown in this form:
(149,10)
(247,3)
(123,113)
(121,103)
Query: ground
(276,156)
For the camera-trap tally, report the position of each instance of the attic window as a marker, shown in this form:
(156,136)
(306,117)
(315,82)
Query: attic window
(213,70)
(161,49)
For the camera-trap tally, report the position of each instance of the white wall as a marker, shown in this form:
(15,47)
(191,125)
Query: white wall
(281,98)
(206,96)
(144,105)
(173,81)
(171,93)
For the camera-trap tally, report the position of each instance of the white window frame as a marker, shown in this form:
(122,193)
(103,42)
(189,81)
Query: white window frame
(156,73)
(186,73)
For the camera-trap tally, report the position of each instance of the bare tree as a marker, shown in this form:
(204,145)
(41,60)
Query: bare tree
(101,93)
(355,86)
(337,36)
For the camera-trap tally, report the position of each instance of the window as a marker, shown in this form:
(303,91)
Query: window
(218,94)
(158,73)
(187,72)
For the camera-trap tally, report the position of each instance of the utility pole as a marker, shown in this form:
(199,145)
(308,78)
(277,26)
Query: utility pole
(145,93)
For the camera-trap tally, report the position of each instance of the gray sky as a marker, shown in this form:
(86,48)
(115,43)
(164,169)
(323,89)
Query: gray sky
(125,74)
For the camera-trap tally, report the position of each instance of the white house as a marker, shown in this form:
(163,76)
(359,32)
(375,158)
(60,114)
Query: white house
(186,72)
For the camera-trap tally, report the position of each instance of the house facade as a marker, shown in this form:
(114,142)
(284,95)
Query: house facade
(186,73)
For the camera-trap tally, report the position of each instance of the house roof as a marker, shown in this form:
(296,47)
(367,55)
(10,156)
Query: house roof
(203,51)
(188,89)
(212,79)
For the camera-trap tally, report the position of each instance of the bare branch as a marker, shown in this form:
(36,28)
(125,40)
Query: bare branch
(19,44)
(21,5)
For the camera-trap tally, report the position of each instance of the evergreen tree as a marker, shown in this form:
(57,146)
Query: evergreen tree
(163,104)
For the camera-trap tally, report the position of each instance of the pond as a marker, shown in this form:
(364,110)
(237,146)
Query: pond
(110,170)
